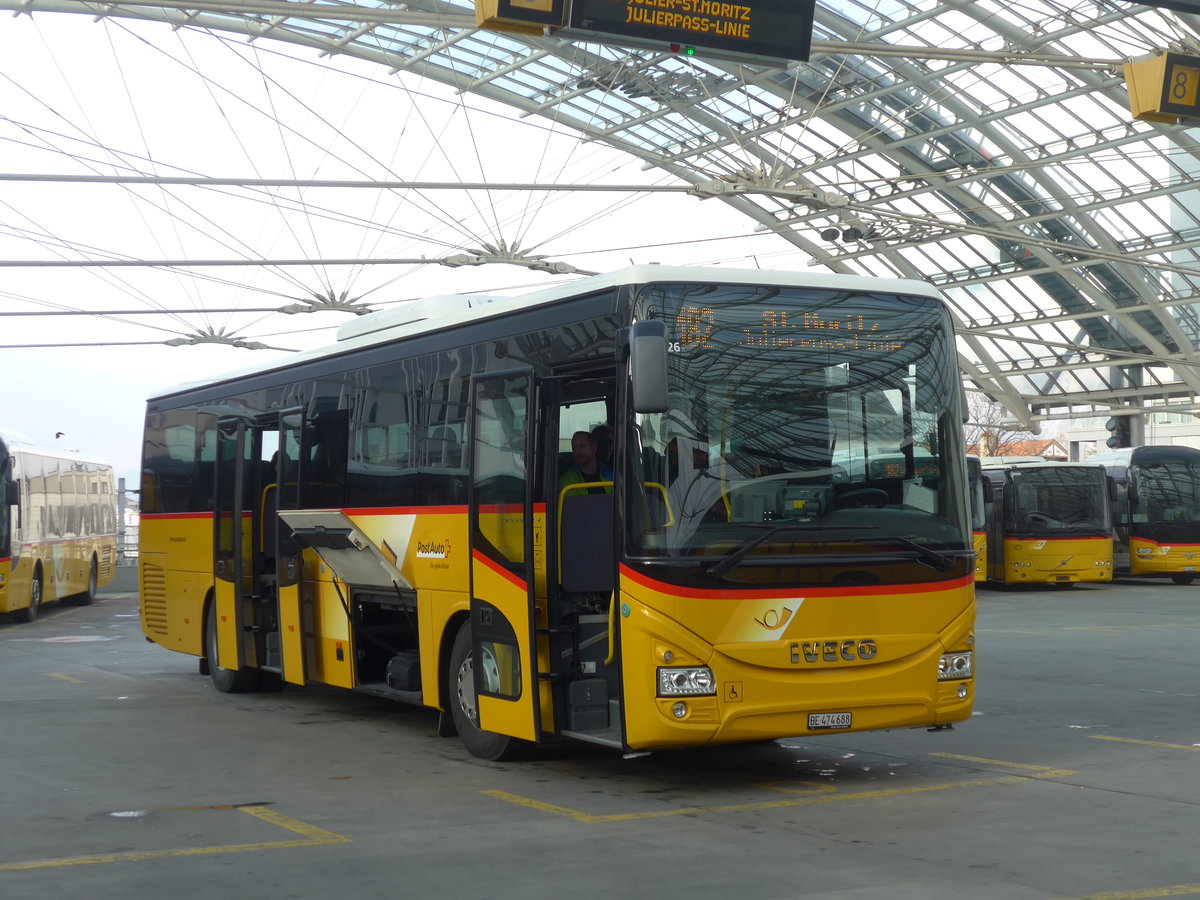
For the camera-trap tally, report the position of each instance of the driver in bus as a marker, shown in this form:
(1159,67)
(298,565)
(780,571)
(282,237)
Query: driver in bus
(586,465)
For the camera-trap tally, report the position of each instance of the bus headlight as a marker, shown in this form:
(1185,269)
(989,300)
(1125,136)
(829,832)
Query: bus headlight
(956,665)
(691,681)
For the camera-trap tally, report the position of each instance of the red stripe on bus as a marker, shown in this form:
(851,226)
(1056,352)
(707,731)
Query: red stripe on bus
(784,593)
(499,570)
(112,535)
(405,510)
(460,509)
(1058,539)
(1172,544)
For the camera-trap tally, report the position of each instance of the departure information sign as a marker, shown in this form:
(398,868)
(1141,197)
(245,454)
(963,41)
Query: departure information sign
(773,30)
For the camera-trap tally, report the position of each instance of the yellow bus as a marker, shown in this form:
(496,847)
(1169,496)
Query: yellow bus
(390,515)
(1048,522)
(981,491)
(58,527)
(1157,492)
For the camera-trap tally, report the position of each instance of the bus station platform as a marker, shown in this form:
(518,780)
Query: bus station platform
(126,772)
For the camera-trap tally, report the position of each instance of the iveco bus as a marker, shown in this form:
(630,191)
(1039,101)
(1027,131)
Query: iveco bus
(389,514)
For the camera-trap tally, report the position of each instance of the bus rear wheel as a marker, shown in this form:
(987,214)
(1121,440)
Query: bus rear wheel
(464,705)
(30,613)
(228,681)
(88,597)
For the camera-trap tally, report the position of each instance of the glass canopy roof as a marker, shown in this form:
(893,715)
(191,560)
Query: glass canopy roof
(987,147)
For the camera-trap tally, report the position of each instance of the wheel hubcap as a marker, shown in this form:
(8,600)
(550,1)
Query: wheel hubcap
(466,691)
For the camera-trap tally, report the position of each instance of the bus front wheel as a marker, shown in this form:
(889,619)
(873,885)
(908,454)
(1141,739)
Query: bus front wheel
(228,681)
(30,613)
(1183,579)
(464,705)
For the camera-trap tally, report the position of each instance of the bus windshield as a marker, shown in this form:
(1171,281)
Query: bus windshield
(1167,499)
(812,436)
(1058,500)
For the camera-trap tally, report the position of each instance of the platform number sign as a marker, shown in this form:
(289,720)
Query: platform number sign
(1181,87)
(1164,87)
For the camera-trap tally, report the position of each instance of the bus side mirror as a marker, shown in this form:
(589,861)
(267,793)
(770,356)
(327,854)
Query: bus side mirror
(1112,488)
(989,493)
(648,366)
(12,496)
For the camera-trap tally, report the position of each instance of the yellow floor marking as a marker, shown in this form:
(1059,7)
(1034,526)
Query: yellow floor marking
(65,678)
(1173,890)
(311,836)
(1125,740)
(809,800)
(1042,770)
(1158,626)
(801,787)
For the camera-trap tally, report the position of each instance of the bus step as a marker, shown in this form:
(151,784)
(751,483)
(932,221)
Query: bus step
(610,737)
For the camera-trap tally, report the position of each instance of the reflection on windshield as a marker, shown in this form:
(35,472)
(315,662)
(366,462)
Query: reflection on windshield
(835,413)
(1167,504)
(1059,500)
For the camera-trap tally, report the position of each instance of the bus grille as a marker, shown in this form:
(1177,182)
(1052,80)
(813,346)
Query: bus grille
(108,559)
(154,599)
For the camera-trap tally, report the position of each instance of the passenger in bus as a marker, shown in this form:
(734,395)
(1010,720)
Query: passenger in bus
(586,465)
(603,436)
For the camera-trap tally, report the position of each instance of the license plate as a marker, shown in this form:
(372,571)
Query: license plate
(828,720)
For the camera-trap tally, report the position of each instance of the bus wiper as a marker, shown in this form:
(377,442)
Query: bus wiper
(717,569)
(943,562)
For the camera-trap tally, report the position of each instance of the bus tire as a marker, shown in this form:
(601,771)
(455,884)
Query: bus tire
(88,597)
(227,681)
(460,694)
(30,612)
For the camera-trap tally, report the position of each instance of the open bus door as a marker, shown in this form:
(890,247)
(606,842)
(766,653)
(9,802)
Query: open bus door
(228,643)
(252,554)
(283,548)
(503,584)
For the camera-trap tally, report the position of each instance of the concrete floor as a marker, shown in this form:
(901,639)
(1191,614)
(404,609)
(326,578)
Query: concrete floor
(125,774)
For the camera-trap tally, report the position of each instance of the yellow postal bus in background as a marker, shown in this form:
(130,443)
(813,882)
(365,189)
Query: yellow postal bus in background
(981,492)
(386,514)
(1157,510)
(58,527)
(1048,522)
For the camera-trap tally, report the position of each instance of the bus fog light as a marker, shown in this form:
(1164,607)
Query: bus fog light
(691,681)
(956,665)
(679,710)
(962,692)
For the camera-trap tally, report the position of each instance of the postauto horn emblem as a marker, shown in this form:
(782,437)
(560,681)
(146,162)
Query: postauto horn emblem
(848,649)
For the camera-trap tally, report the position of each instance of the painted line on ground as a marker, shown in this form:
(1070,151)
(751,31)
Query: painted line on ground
(311,836)
(66,678)
(1124,740)
(1172,890)
(810,798)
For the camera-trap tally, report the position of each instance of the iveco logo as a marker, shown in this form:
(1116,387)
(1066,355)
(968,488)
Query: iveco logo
(832,651)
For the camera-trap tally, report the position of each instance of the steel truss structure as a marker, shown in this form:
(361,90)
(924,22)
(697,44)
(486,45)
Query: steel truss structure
(984,146)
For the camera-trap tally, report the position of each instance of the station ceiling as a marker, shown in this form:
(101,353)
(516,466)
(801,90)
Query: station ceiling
(986,147)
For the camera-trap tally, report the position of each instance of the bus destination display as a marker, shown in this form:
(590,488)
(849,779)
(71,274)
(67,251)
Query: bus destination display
(788,329)
(771,29)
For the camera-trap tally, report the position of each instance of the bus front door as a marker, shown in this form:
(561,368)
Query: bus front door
(503,583)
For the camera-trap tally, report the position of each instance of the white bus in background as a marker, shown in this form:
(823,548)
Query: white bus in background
(58,527)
